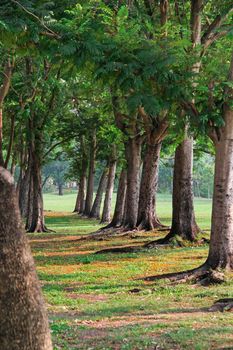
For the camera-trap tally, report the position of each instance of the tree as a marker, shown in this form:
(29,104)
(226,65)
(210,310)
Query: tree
(221,238)
(23,321)
(106,215)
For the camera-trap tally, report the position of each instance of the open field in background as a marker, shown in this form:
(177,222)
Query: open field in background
(164,207)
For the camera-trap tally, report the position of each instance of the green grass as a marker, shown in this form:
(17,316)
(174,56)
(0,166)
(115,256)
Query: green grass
(164,207)
(100,302)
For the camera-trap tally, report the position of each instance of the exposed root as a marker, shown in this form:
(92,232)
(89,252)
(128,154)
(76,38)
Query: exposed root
(202,275)
(151,225)
(167,240)
(43,229)
(222,305)
(175,241)
(107,233)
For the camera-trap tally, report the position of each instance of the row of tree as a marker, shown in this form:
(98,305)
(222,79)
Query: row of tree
(113,81)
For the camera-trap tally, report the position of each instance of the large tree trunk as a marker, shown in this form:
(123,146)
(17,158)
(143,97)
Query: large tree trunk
(147,218)
(183,217)
(221,238)
(221,242)
(106,215)
(95,211)
(1,139)
(91,176)
(35,215)
(133,157)
(23,320)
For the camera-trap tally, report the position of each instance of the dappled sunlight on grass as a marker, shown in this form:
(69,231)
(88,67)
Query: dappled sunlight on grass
(101,301)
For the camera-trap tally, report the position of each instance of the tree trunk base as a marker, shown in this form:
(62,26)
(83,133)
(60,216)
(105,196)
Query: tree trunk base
(175,241)
(146,225)
(40,229)
(111,232)
(202,275)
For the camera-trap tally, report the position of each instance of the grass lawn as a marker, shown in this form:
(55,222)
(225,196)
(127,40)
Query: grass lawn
(164,207)
(99,301)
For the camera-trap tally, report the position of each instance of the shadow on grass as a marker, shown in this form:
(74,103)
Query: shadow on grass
(73,259)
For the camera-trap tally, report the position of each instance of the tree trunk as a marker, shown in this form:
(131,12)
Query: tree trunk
(91,176)
(95,211)
(221,238)
(35,215)
(23,193)
(117,219)
(80,201)
(4,90)
(133,157)
(147,218)
(11,141)
(221,247)
(1,140)
(23,321)
(183,217)
(60,189)
(106,215)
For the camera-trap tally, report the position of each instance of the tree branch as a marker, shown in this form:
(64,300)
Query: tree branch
(4,89)
(211,33)
(49,31)
(57,144)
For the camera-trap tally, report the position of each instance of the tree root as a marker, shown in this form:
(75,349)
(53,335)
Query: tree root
(150,226)
(175,241)
(222,305)
(107,233)
(43,229)
(202,275)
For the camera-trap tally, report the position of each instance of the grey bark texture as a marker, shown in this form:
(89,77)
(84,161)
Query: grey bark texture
(95,211)
(183,217)
(23,319)
(106,215)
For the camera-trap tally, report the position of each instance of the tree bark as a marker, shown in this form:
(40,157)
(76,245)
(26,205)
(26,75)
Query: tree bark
(117,219)
(4,89)
(23,321)
(106,215)
(60,189)
(80,201)
(221,238)
(183,217)
(147,218)
(133,157)
(23,193)
(11,140)
(35,214)
(1,139)
(95,211)
(91,175)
